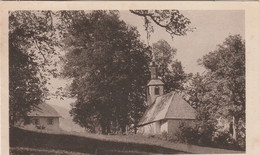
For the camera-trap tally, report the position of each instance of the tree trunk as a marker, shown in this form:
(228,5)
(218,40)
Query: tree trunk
(108,128)
(103,125)
(103,129)
(135,128)
(123,128)
(234,129)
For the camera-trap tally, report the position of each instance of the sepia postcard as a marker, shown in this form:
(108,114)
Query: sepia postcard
(130,78)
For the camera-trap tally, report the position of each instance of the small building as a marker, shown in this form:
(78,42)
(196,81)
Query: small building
(165,111)
(43,117)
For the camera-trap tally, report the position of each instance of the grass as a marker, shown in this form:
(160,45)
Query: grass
(32,151)
(101,144)
(89,143)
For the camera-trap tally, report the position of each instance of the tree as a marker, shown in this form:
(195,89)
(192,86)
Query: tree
(172,21)
(220,92)
(170,70)
(31,44)
(34,39)
(24,85)
(227,66)
(109,67)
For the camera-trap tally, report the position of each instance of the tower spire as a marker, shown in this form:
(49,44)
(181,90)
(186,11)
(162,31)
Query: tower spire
(155,86)
(154,71)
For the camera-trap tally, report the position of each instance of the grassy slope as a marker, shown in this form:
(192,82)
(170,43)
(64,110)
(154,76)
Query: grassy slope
(32,151)
(91,143)
(77,143)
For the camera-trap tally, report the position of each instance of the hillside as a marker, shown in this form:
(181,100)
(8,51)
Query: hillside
(100,144)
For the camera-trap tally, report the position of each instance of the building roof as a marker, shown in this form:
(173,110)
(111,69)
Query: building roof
(155,82)
(168,106)
(44,110)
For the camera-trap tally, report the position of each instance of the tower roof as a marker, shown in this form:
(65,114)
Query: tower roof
(155,82)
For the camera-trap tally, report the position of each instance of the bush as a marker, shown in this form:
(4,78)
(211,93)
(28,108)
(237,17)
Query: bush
(187,134)
(198,134)
(165,135)
(241,137)
(40,127)
(205,134)
(168,137)
(222,139)
(242,141)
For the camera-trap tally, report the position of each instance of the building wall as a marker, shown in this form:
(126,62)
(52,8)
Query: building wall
(43,122)
(154,128)
(164,126)
(151,128)
(169,126)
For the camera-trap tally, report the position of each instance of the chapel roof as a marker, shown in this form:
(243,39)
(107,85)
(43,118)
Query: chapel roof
(168,106)
(44,110)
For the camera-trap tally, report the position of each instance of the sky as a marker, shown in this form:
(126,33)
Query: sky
(212,27)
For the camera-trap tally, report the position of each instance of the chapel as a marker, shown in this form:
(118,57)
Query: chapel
(165,112)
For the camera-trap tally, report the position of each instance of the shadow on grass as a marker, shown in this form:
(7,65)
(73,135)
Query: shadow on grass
(37,140)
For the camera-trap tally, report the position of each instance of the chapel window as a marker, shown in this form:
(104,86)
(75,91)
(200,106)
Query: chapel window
(156,91)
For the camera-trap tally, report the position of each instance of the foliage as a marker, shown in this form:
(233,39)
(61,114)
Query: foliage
(186,134)
(170,70)
(220,92)
(227,66)
(163,55)
(172,21)
(31,44)
(38,151)
(205,135)
(40,127)
(223,139)
(34,39)
(164,135)
(109,68)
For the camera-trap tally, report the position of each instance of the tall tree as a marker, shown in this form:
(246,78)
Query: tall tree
(109,67)
(227,66)
(170,70)
(31,44)
(220,92)
(33,40)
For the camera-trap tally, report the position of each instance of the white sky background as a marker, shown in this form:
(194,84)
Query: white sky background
(212,27)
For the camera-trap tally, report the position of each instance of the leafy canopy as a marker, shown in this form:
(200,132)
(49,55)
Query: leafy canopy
(220,92)
(32,43)
(109,67)
(170,70)
(172,21)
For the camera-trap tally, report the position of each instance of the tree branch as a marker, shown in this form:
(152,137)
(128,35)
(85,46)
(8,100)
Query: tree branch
(37,47)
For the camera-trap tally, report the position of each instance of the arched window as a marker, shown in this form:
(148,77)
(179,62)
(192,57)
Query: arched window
(157,91)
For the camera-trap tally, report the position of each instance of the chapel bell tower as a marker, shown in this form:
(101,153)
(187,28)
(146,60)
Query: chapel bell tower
(155,86)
